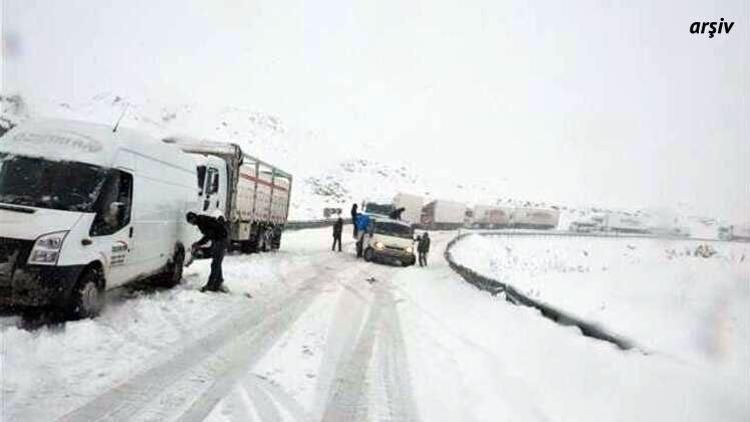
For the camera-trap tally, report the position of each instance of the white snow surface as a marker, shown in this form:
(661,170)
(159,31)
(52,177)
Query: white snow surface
(328,337)
(658,293)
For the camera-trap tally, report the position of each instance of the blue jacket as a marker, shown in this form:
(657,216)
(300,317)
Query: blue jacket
(363,220)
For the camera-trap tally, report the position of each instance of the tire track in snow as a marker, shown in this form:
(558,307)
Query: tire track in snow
(351,394)
(149,392)
(395,365)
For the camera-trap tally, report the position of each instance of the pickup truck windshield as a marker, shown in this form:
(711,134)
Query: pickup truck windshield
(394,229)
(61,185)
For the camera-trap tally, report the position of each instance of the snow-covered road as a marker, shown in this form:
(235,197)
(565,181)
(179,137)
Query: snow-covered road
(327,337)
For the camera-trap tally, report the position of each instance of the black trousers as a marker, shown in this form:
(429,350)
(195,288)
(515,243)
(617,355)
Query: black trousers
(336,239)
(423,259)
(218,250)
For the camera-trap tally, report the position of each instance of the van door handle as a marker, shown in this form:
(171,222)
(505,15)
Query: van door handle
(131,232)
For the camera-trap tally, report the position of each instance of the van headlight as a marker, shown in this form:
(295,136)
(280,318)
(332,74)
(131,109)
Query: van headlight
(409,249)
(379,245)
(46,249)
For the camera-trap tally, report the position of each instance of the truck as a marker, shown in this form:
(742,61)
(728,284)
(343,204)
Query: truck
(443,215)
(534,218)
(735,232)
(489,217)
(84,209)
(623,223)
(252,195)
(412,205)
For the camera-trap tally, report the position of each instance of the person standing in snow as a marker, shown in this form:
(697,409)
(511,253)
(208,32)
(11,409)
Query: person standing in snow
(354,219)
(423,248)
(338,226)
(213,230)
(363,224)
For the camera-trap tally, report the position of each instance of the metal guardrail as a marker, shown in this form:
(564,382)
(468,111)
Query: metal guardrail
(515,297)
(312,224)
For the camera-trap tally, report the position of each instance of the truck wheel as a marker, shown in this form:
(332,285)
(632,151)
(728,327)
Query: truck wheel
(173,275)
(276,239)
(266,239)
(87,297)
(368,254)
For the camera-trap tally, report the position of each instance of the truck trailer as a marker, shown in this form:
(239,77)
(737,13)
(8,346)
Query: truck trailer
(735,232)
(412,205)
(252,195)
(443,215)
(534,218)
(488,217)
(623,223)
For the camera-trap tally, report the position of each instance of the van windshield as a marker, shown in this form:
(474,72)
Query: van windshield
(61,185)
(394,229)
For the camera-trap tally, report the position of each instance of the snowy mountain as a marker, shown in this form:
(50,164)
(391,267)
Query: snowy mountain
(327,173)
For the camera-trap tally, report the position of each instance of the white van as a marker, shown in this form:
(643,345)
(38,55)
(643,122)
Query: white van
(389,240)
(84,209)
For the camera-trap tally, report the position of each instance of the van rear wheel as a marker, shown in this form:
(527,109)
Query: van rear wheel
(87,297)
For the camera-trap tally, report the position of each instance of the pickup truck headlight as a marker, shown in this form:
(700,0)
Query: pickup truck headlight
(46,249)
(409,249)
(379,245)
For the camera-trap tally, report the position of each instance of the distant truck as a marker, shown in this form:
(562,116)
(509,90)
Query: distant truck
(623,223)
(735,232)
(412,205)
(585,226)
(534,218)
(488,217)
(443,215)
(253,196)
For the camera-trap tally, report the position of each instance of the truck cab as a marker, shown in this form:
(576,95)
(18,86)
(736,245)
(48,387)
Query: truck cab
(212,184)
(389,240)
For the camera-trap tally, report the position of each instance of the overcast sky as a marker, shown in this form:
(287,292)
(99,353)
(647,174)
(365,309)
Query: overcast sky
(604,102)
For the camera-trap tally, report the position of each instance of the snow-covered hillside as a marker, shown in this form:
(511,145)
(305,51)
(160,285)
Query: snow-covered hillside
(328,173)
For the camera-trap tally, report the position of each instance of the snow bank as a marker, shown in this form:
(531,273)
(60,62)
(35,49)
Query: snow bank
(656,292)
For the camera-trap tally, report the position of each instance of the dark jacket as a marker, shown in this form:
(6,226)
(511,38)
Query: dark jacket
(337,227)
(396,214)
(354,212)
(424,244)
(211,228)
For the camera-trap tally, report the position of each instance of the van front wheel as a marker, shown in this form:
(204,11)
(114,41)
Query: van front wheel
(368,254)
(87,297)
(173,275)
